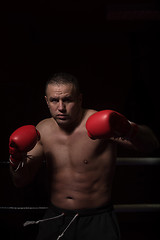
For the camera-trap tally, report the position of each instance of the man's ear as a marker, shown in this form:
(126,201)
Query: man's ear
(46,100)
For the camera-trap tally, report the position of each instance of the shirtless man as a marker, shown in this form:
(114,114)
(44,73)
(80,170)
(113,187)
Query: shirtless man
(79,147)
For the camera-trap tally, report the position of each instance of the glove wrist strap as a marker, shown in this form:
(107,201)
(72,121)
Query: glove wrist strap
(14,165)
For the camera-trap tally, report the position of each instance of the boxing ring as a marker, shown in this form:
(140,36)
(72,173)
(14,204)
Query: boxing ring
(137,202)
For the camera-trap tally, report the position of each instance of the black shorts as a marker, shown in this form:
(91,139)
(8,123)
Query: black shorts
(98,223)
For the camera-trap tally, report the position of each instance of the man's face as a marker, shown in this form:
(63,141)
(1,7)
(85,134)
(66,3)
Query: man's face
(63,102)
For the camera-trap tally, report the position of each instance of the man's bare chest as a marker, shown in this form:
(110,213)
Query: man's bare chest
(72,151)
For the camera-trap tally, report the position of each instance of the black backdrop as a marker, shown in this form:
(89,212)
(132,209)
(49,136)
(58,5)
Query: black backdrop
(112,49)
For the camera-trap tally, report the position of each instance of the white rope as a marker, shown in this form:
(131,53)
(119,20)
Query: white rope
(61,235)
(42,220)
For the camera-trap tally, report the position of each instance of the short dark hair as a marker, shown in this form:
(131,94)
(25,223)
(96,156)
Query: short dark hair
(63,78)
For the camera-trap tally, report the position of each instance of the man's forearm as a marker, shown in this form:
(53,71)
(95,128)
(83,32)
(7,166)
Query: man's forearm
(145,140)
(24,173)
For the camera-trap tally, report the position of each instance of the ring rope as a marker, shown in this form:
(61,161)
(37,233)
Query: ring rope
(125,161)
(117,207)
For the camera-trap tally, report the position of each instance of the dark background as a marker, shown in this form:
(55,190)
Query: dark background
(113,48)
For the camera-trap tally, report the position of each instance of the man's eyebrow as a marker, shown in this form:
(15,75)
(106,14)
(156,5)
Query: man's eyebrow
(53,98)
(65,97)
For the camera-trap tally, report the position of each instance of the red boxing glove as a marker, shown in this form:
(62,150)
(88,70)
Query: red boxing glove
(108,123)
(21,141)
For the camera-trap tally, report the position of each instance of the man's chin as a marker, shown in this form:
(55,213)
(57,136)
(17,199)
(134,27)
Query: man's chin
(63,122)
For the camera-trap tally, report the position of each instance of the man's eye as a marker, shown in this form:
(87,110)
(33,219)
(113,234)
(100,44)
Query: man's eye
(54,100)
(67,100)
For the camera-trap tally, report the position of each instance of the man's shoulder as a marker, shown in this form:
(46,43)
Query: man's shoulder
(45,123)
(89,112)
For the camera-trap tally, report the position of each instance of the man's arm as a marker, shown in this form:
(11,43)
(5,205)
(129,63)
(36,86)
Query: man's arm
(26,154)
(110,124)
(25,173)
(144,141)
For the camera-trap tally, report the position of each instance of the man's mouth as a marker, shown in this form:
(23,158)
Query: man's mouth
(62,116)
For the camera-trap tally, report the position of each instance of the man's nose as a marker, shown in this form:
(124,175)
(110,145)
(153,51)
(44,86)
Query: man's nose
(61,106)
